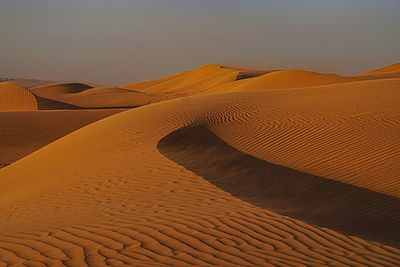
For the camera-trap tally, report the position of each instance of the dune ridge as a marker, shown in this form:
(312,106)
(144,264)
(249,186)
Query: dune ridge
(119,201)
(15,97)
(209,79)
(24,132)
(393,68)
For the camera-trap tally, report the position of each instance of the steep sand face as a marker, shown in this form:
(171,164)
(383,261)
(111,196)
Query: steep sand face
(15,97)
(24,132)
(117,191)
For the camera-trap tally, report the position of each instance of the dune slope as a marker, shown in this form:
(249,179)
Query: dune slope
(105,195)
(24,132)
(15,97)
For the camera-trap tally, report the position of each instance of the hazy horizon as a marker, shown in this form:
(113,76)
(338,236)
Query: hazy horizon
(121,41)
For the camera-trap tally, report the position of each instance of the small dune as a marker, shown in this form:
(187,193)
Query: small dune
(107,97)
(15,97)
(58,89)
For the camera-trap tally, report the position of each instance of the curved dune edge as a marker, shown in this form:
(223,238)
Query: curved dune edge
(15,97)
(339,206)
(105,195)
(209,79)
(390,69)
(24,132)
(57,89)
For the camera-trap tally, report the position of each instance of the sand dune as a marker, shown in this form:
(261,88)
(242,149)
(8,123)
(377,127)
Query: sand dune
(288,79)
(190,83)
(105,97)
(140,86)
(208,79)
(58,89)
(393,68)
(84,96)
(15,97)
(24,132)
(133,189)
(30,83)
(391,71)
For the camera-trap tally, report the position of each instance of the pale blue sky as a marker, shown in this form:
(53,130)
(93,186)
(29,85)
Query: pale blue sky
(118,41)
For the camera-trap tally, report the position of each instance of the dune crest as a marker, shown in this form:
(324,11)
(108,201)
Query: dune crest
(384,70)
(15,97)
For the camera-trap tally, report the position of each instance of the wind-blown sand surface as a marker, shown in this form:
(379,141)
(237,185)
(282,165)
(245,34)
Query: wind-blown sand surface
(23,132)
(15,97)
(287,177)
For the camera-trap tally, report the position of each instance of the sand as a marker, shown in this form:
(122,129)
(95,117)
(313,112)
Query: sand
(15,97)
(24,132)
(276,177)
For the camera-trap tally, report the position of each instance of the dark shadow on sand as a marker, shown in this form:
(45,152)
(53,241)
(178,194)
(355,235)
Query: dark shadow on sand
(342,207)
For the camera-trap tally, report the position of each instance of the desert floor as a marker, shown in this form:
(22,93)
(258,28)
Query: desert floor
(218,166)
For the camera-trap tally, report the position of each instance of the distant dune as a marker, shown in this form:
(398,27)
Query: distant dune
(276,168)
(30,83)
(189,83)
(15,97)
(391,69)
(59,89)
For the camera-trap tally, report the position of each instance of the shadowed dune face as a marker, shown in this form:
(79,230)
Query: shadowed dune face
(15,97)
(317,200)
(51,104)
(57,89)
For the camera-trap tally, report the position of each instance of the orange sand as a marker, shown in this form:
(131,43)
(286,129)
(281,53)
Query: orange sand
(24,132)
(278,177)
(15,97)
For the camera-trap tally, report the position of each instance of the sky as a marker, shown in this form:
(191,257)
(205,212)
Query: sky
(114,42)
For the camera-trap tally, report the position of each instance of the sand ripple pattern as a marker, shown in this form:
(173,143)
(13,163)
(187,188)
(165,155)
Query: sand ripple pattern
(105,196)
(15,97)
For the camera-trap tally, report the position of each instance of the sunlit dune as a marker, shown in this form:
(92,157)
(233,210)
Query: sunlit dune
(30,83)
(279,168)
(24,132)
(286,79)
(384,70)
(189,83)
(140,86)
(387,72)
(15,97)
